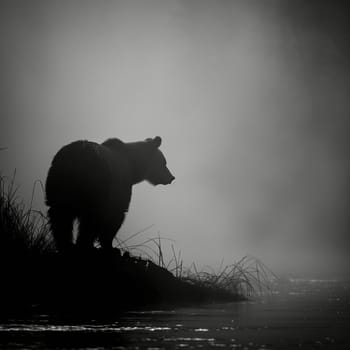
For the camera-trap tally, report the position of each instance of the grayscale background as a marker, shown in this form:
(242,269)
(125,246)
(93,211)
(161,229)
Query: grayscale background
(251,99)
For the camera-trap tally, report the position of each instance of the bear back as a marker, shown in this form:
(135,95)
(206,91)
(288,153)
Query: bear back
(87,174)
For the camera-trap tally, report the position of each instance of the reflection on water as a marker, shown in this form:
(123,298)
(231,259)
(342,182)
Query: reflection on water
(306,314)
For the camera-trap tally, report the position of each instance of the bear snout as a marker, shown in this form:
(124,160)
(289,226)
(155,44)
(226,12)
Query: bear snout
(169,180)
(166,180)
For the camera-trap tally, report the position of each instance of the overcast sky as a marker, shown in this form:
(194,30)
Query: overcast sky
(251,99)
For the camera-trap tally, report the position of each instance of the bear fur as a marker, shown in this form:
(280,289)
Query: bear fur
(93,182)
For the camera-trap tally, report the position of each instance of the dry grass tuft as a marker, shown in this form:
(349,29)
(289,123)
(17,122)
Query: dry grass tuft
(248,276)
(21,229)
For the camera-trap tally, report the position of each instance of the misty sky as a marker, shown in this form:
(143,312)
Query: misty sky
(251,99)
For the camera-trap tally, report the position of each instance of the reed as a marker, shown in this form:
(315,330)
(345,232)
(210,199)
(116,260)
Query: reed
(246,277)
(21,229)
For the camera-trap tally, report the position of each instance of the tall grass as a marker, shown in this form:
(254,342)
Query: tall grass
(21,229)
(248,276)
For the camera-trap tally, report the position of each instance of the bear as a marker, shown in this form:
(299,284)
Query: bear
(92,183)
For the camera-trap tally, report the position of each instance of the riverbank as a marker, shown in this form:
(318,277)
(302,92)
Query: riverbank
(97,282)
(34,275)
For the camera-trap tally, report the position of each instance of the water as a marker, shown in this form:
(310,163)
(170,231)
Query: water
(304,314)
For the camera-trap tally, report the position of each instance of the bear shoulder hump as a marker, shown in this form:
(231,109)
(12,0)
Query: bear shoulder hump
(114,144)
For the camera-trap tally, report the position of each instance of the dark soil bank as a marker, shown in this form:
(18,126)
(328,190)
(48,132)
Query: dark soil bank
(94,281)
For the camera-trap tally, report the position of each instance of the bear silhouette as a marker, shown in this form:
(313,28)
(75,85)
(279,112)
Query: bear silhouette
(93,182)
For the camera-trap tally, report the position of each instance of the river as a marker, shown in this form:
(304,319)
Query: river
(300,314)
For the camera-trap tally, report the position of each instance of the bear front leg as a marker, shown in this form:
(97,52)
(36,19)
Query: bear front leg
(109,231)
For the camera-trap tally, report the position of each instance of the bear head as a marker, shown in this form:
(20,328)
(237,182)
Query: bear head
(157,171)
(148,162)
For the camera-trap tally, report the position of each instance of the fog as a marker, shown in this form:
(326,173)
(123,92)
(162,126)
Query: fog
(251,99)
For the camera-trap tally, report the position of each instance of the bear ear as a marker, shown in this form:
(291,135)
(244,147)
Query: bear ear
(157,141)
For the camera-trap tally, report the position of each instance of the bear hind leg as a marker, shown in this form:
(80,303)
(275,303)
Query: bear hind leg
(61,223)
(87,233)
